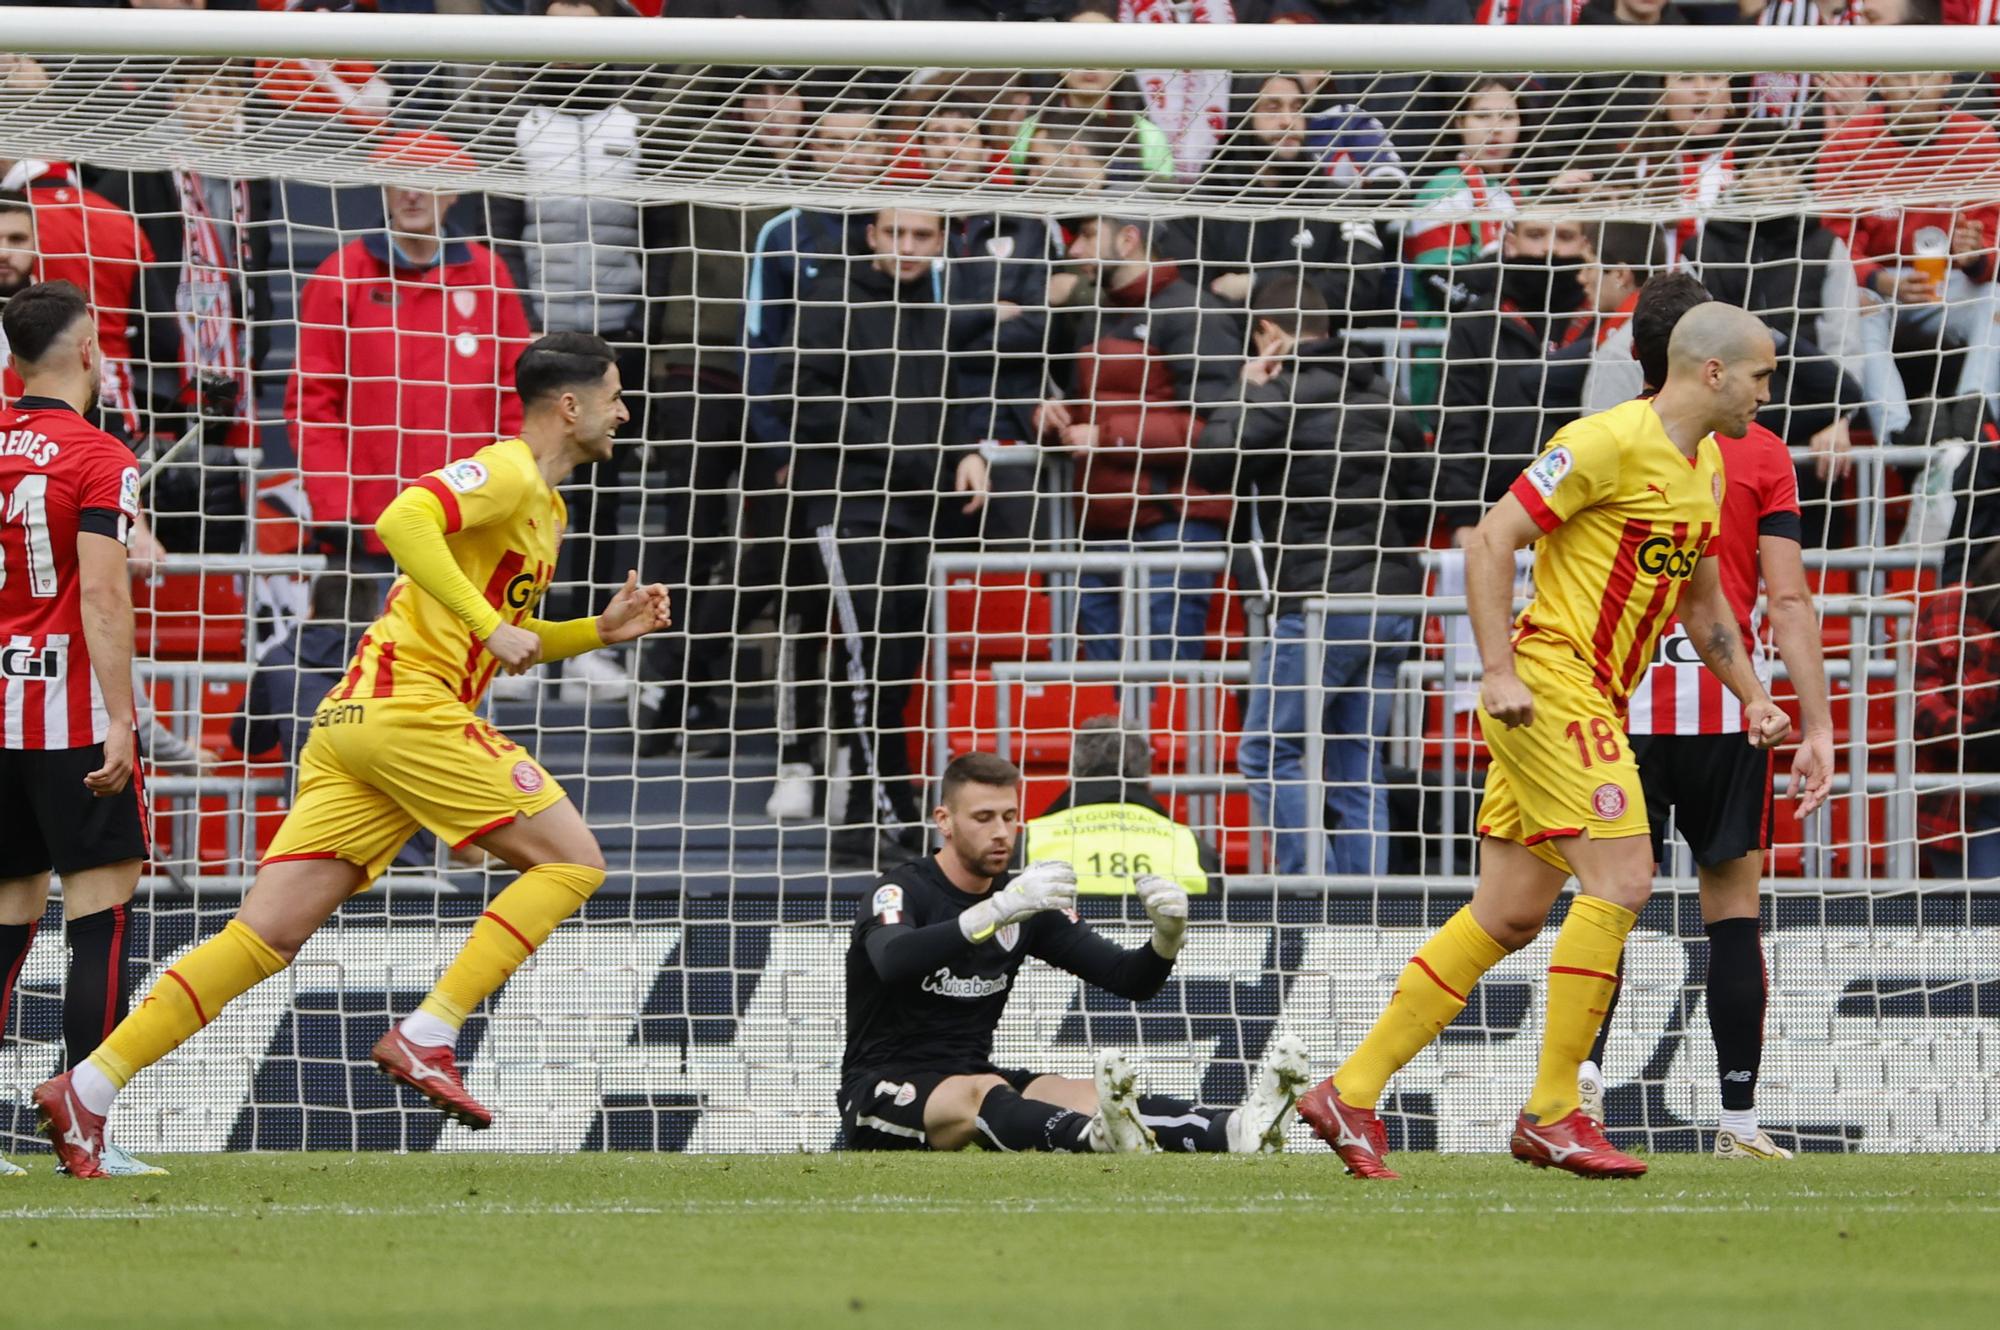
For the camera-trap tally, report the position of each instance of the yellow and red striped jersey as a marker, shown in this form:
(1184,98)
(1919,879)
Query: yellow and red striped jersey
(502,525)
(1625,517)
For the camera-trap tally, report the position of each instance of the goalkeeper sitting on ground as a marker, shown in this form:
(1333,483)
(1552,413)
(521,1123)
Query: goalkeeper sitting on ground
(935,952)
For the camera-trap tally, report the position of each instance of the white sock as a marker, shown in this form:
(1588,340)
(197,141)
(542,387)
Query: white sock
(93,1088)
(1743,1123)
(428,1031)
(1590,1071)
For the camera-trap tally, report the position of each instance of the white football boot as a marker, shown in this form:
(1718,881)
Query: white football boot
(1590,1091)
(1117,1128)
(1258,1125)
(10,1169)
(596,678)
(1759,1149)
(792,793)
(117,1164)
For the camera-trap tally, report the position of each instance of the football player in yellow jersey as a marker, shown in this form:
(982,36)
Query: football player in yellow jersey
(397,745)
(1622,504)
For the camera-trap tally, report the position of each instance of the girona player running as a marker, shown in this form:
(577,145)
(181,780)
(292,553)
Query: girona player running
(1623,505)
(69,494)
(397,744)
(1687,734)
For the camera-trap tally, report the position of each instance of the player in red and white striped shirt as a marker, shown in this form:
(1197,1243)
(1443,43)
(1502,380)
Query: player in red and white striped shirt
(1696,763)
(69,791)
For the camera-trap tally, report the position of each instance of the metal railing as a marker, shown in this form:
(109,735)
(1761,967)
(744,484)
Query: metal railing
(1861,663)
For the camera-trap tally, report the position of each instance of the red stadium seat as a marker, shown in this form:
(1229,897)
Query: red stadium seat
(189,616)
(997,616)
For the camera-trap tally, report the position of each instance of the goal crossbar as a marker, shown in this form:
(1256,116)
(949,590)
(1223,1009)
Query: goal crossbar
(912,45)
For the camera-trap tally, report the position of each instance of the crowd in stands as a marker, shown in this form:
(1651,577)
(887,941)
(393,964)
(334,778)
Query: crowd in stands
(1404,289)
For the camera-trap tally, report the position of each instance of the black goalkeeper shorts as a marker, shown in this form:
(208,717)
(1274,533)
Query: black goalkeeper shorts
(884,1110)
(1715,787)
(53,821)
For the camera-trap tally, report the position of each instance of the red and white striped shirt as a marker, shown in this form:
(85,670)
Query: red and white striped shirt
(1504,13)
(59,476)
(1782,95)
(1679,695)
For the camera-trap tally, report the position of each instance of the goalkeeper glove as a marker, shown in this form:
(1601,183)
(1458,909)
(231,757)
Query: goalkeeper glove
(1166,903)
(1049,885)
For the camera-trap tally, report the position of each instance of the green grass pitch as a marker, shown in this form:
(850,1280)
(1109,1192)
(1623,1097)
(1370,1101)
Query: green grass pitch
(949,1242)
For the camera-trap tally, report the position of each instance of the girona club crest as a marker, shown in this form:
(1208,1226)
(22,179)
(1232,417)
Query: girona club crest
(1609,801)
(528,778)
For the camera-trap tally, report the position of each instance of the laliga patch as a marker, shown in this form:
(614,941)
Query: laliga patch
(1609,801)
(1547,471)
(1715,485)
(888,905)
(1008,937)
(128,491)
(465,476)
(527,778)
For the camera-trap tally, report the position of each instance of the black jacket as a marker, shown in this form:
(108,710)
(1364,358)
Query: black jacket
(873,382)
(1772,267)
(1342,477)
(1000,368)
(1344,260)
(1497,411)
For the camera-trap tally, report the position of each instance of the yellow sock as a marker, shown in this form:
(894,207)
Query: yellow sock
(189,995)
(1583,972)
(518,920)
(1430,992)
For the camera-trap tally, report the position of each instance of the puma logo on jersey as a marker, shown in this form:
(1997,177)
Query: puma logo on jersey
(1660,490)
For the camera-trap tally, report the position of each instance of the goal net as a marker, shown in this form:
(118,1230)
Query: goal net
(1107,396)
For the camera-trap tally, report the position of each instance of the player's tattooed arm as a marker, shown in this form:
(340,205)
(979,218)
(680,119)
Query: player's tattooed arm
(1711,624)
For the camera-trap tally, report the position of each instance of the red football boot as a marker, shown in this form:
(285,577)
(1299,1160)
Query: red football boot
(1575,1144)
(1355,1134)
(432,1073)
(75,1131)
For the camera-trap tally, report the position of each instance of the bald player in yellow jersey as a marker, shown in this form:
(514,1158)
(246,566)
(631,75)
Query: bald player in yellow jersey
(397,744)
(1621,507)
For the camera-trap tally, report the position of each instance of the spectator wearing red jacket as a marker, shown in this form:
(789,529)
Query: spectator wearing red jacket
(84,238)
(1157,349)
(1910,144)
(407,343)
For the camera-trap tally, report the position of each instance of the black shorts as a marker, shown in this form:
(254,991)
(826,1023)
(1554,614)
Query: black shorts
(1717,789)
(884,1110)
(52,819)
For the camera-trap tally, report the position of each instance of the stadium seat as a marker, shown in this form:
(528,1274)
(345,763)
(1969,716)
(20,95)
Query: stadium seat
(189,616)
(997,616)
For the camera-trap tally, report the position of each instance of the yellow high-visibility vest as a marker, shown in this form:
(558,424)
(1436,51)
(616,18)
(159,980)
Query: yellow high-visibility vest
(1110,844)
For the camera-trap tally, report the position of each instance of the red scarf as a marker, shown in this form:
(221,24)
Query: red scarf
(215,335)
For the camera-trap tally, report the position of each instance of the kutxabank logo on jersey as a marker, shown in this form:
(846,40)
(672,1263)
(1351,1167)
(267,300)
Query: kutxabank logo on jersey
(1875,1031)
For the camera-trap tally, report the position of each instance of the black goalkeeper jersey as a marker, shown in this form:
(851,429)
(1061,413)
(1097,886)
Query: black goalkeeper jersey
(922,998)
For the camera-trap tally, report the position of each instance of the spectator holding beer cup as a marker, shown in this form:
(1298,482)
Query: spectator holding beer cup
(1926,269)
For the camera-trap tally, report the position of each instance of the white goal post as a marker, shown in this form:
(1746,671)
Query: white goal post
(712,195)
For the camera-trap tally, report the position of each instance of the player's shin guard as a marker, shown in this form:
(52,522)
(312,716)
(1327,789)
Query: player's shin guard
(1184,1128)
(1583,973)
(189,995)
(95,995)
(517,921)
(1429,994)
(1736,998)
(1010,1122)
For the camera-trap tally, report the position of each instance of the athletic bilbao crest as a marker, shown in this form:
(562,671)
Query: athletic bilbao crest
(1609,801)
(465,302)
(1008,936)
